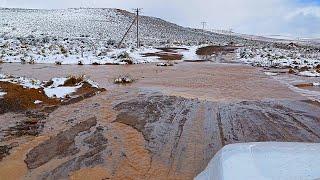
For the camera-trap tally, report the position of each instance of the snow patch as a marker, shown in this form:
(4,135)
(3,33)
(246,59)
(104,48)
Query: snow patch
(37,102)
(54,90)
(2,94)
(92,83)
(57,82)
(191,53)
(25,82)
(60,92)
(309,74)
(270,74)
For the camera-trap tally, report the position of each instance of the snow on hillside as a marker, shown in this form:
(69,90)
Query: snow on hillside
(90,36)
(108,24)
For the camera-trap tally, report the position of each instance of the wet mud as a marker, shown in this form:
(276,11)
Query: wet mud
(169,124)
(158,127)
(167,54)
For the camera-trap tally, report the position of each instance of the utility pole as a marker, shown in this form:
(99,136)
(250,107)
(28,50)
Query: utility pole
(230,33)
(135,20)
(204,24)
(138,40)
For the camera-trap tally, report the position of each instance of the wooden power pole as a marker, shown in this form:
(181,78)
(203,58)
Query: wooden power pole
(204,24)
(138,40)
(136,19)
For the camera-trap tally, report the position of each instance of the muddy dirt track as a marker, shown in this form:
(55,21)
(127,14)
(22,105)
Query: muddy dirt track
(166,125)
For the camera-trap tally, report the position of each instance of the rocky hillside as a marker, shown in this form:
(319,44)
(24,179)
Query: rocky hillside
(109,24)
(91,36)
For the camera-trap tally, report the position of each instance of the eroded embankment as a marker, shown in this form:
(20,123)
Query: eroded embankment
(31,105)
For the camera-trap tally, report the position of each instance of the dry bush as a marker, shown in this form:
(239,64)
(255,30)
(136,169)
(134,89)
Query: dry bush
(58,63)
(165,64)
(96,63)
(73,80)
(124,79)
(292,71)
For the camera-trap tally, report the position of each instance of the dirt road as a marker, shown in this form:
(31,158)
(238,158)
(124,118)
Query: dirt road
(166,125)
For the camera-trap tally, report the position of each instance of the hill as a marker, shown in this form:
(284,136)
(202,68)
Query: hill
(110,24)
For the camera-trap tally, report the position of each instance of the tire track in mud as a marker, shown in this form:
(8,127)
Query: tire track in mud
(220,129)
(80,146)
(292,116)
(183,112)
(57,145)
(303,126)
(163,125)
(177,136)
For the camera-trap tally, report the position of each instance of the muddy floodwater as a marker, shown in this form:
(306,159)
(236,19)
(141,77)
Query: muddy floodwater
(168,124)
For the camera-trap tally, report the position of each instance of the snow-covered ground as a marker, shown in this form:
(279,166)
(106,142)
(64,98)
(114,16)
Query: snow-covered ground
(104,24)
(82,52)
(305,61)
(309,74)
(285,161)
(90,36)
(25,82)
(70,52)
(56,89)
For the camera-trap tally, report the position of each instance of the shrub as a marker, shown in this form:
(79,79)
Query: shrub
(73,80)
(63,50)
(23,61)
(96,63)
(32,61)
(111,42)
(304,68)
(291,71)
(165,64)
(128,61)
(124,55)
(126,79)
(58,63)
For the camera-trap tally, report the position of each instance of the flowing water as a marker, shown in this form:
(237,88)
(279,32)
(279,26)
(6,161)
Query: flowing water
(168,124)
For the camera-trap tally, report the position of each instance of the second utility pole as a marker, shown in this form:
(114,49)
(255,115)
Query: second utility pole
(204,25)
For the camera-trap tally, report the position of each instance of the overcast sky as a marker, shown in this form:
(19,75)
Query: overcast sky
(299,18)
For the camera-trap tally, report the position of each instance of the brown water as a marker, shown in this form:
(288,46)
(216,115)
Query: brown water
(166,125)
(215,82)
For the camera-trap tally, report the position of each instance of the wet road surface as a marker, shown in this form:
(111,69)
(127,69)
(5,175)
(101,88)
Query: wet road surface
(166,125)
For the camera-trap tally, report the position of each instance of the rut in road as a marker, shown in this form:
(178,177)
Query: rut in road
(168,124)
